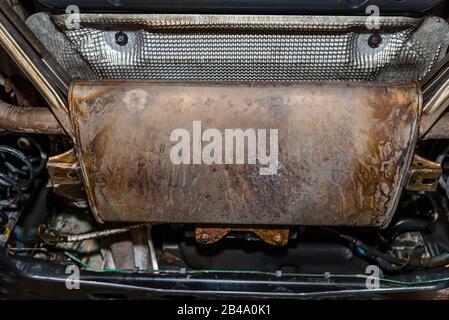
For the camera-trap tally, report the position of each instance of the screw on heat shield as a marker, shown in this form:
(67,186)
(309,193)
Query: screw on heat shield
(121,38)
(374,41)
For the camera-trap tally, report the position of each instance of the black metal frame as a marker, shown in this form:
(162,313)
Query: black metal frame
(22,277)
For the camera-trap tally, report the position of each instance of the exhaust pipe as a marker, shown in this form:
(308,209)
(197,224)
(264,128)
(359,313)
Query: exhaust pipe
(35,62)
(435,95)
(28,119)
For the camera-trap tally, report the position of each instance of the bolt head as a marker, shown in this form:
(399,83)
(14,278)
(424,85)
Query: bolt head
(204,238)
(121,38)
(374,41)
(278,239)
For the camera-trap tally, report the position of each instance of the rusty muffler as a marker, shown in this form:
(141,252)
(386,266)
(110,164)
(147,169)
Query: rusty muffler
(244,154)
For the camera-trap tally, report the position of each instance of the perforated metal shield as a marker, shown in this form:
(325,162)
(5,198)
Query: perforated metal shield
(245,48)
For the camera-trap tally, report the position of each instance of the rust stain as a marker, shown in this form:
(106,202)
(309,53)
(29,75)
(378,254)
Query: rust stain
(38,120)
(344,150)
(273,236)
(424,175)
(66,177)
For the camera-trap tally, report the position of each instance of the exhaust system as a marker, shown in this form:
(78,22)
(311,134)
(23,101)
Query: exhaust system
(180,152)
(28,119)
(344,150)
(435,91)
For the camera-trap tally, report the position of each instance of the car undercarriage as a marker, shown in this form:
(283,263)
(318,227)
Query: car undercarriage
(256,149)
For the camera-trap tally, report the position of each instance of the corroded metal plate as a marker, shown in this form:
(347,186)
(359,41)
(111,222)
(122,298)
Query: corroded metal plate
(343,151)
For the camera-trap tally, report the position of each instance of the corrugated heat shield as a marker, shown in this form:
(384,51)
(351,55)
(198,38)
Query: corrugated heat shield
(243,47)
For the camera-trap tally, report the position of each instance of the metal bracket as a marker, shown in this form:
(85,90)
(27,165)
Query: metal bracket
(209,235)
(424,175)
(65,176)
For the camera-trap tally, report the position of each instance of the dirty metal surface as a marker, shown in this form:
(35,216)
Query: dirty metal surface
(424,175)
(28,119)
(65,176)
(209,235)
(344,151)
(204,47)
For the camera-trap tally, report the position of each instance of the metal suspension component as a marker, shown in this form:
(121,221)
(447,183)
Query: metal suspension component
(17,178)
(18,171)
